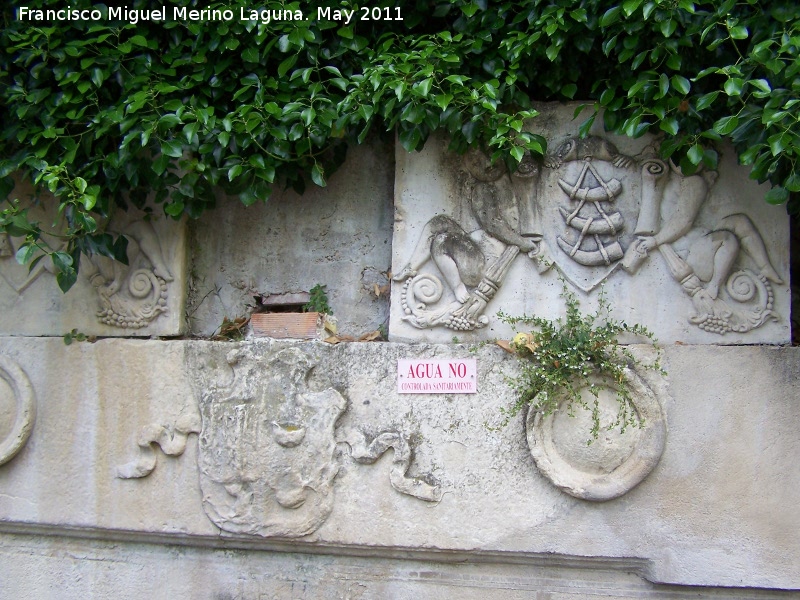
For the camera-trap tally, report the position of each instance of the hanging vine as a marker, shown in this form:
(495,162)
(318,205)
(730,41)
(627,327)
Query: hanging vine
(106,114)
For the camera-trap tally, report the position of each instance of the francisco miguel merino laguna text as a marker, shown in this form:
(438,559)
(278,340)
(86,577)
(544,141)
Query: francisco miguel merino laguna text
(133,16)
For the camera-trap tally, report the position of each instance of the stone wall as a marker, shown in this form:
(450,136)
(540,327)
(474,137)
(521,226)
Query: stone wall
(301,458)
(339,237)
(185,467)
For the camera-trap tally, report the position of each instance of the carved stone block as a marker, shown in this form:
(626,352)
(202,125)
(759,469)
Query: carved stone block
(144,298)
(697,258)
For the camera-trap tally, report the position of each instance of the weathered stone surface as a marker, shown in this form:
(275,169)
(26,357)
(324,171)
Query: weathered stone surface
(339,237)
(34,567)
(697,259)
(144,298)
(717,510)
(17,409)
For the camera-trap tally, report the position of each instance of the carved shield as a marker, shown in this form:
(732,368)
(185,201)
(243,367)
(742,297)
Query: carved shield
(589,202)
(267,448)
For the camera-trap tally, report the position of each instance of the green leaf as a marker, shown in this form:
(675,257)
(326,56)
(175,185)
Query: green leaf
(792,183)
(706,100)
(172,148)
(779,142)
(668,27)
(234,172)
(611,16)
(287,64)
(174,209)
(66,279)
(739,32)
(733,86)
(168,121)
(308,116)
(318,175)
(584,128)
(424,87)
(726,125)
(410,138)
(469,9)
(98,77)
(669,125)
(681,84)
(138,40)
(250,54)
(62,261)
(25,253)
(630,6)
(160,164)
(777,195)
(695,154)
(190,131)
(443,100)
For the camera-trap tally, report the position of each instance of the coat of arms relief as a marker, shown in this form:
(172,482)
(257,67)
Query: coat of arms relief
(591,212)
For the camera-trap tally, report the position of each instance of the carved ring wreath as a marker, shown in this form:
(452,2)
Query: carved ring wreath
(25,409)
(612,478)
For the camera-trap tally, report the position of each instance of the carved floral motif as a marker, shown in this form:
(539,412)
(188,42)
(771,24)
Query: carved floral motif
(129,296)
(473,264)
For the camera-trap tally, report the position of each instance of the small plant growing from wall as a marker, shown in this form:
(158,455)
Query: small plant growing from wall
(561,358)
(318,300)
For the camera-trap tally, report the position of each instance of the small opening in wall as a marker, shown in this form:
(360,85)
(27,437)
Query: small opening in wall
(284,308)
(292,302)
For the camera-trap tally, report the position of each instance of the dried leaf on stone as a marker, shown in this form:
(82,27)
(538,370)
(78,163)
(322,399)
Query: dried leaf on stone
(331,326)
(505,345)
(371,336)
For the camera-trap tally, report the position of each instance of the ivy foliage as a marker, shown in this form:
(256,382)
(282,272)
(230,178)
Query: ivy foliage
(563,358)
(108,114)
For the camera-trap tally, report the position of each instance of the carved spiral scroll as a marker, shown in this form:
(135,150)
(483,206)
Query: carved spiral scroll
(427,289)
(742,286)
(25,411)
(142,283)
(655,167)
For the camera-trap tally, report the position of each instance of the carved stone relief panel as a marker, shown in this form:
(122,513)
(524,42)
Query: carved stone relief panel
(144,297)
(269,452)
(696,258)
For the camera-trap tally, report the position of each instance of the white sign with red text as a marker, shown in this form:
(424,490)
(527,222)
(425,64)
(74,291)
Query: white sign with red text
(421,376)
